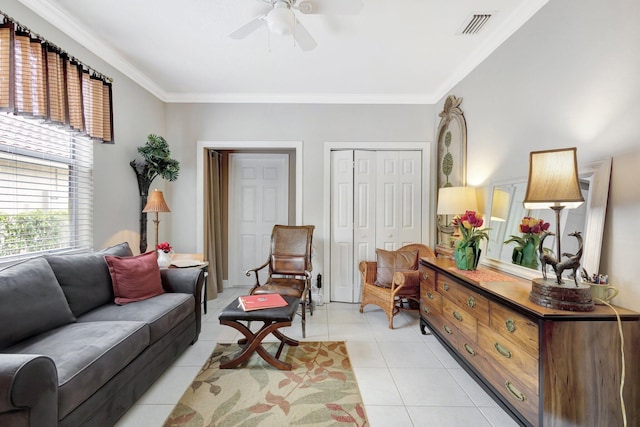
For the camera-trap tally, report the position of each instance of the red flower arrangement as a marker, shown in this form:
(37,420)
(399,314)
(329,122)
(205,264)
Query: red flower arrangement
(164,247)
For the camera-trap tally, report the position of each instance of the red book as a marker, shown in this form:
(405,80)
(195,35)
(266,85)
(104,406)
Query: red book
(258,302)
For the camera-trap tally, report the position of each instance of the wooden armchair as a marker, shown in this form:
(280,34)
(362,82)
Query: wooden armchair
(392,278)
(289,264)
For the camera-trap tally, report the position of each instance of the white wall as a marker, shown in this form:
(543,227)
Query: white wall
(311,124)
(569,77)
(136,114)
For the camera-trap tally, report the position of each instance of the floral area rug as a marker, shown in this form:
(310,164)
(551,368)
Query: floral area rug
(320,390)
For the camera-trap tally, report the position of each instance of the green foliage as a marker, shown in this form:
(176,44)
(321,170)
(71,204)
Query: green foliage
(31,231)
(158,159)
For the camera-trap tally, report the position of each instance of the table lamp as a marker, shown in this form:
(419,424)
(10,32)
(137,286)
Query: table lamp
(499,205)
(455,201)
(554,184)
(156,203)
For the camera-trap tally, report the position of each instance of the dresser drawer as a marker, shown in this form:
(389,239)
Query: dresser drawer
(510,356)
(431,298)
(443,327)
(505,383)
(513,391)
(515,327)
(460,318)
(427,276)
(474,303)
(446,286)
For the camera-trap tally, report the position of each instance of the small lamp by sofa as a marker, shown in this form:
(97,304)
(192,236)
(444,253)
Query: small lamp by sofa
(156,203)
(554,184)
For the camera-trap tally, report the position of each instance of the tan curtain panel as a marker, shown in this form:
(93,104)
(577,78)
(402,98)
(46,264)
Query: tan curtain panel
(212,223)
(37,79)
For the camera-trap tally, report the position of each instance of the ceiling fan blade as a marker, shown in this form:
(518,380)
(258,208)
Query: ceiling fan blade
(303,38)
(330,7)
(248,28)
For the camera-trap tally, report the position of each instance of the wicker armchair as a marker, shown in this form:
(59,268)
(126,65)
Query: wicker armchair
(392,279)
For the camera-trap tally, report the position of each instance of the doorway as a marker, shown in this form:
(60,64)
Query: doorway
(262,147)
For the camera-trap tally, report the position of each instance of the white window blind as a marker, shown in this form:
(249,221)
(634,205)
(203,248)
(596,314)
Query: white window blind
(46,189)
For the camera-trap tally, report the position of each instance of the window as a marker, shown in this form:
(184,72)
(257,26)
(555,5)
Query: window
(46,189)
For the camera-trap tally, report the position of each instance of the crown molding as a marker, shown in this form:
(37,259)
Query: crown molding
(300,98)
(56,17)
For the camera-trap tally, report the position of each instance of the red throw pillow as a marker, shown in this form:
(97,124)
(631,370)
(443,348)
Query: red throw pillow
(134,278)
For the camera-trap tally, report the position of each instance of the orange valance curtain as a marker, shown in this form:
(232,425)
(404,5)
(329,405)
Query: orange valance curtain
(39,80)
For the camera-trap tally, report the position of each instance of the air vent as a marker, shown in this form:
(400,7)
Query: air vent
(474,23)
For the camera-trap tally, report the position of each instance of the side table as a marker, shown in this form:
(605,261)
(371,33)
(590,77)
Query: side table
(192,261)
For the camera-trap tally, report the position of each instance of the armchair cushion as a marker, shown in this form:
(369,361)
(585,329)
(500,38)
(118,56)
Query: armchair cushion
(389,262)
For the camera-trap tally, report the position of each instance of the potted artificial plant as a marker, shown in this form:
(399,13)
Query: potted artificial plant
(155,159)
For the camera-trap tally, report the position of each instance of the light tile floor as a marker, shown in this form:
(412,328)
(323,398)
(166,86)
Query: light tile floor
(405,378)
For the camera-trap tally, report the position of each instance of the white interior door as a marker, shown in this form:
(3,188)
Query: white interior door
(376,202)
(364,215)
(399,190)
(258,200)
(342,225)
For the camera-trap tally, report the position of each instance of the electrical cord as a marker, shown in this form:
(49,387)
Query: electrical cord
(622,375)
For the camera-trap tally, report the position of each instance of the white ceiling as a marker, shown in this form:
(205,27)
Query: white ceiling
(392,51)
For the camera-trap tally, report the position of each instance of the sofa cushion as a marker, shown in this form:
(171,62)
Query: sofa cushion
(87,355)
(85,278)
(162,312)
(134,278)
(31,301)
(388,262)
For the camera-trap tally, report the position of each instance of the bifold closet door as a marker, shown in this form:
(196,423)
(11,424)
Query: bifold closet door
(375,203)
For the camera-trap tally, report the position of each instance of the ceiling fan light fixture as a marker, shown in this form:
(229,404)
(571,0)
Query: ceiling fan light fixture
(281,19)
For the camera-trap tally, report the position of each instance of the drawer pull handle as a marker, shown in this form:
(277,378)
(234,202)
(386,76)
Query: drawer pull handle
(515,392)
(445,286)
(425,309)
(458,316)
(448,330)
(469,349)
(471,302)
(511,325)
(429,295)
(425,276)
(503,351)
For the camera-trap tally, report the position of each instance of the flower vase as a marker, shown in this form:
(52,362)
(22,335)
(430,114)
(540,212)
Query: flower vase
(164,259)
(467,257)
(526,256)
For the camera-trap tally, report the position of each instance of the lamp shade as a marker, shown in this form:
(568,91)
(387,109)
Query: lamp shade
(156,203)
(553,180)
(456,200)
(499,205)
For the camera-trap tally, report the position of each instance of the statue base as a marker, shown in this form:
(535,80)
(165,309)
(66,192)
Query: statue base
(566,296)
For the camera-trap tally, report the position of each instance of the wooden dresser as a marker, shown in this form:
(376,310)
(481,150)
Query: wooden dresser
(545,367)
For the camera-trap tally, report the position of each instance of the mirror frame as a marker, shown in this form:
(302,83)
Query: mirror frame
(600,172)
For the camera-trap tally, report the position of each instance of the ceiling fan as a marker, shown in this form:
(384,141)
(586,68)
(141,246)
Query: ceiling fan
(281,19)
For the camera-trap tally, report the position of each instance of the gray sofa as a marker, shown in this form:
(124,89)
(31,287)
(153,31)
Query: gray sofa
(69,356)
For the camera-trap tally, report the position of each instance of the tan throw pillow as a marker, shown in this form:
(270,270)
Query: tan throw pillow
(391,261)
